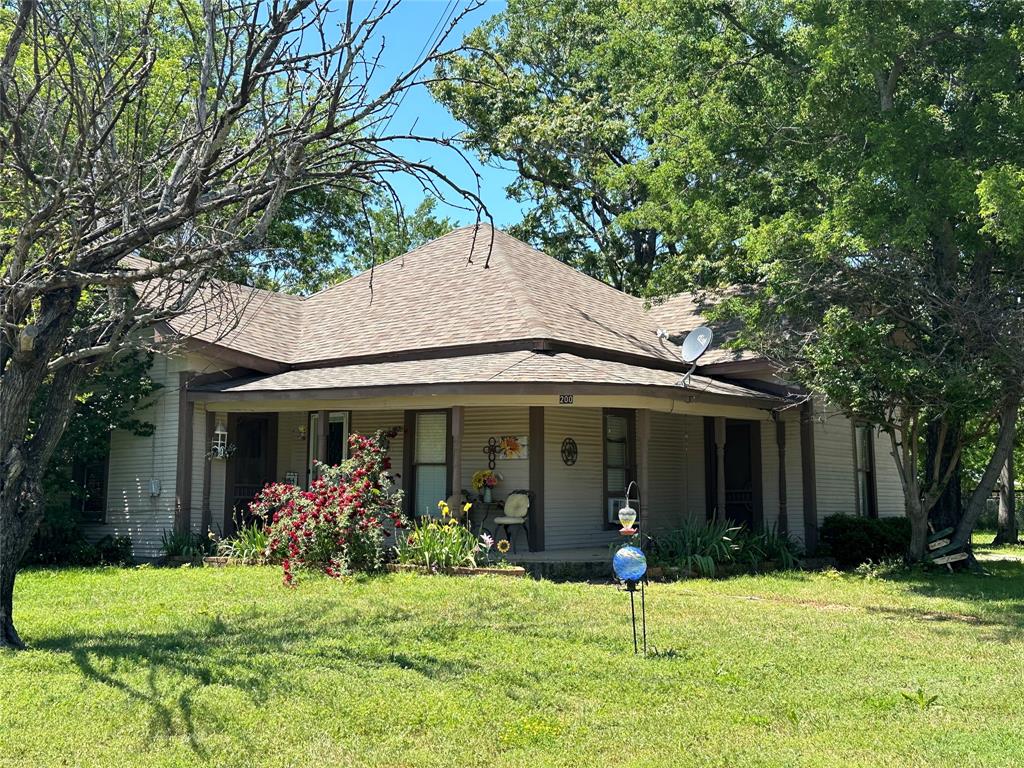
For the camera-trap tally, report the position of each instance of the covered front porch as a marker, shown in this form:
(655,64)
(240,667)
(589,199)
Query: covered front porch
(575,452)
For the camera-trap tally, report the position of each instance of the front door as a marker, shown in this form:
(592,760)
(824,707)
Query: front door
(742,471)
(251,466)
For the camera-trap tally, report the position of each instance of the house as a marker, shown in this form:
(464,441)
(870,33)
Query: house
(469,339)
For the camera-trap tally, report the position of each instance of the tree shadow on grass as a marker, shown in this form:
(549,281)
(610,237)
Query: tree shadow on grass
(164,672)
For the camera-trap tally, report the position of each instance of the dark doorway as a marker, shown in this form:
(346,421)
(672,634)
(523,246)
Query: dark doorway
(742,471)
(251,466)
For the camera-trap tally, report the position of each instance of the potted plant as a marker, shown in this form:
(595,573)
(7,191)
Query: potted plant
(484,482)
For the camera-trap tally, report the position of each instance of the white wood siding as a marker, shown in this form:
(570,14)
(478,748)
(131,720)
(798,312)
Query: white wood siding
(199,459)
(675,478)
(134,461)
(574,496)
(480,424)
(888,486)
(833,449)
(368,422)
(292,445)
(794,477)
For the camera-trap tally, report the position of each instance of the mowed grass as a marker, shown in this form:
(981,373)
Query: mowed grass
(227,667)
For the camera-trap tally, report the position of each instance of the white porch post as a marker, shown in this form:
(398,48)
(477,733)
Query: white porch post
(720,465)
(456,465)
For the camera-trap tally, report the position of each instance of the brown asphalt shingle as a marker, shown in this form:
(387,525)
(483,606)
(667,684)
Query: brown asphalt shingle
(501,367)
(463,288)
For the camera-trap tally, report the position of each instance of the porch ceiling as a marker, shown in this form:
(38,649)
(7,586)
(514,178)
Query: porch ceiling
(518,371)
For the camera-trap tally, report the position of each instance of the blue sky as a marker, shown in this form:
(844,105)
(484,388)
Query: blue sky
(405,31)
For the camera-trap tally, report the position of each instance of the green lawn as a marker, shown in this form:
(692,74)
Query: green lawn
(227,667)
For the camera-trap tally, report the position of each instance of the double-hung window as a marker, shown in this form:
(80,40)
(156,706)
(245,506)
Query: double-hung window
(864,467)
(619,460)
(430,461)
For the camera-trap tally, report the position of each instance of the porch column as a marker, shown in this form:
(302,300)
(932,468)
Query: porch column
(720,467)
(456,465)
(535,529)
(321,442)
(206,522)
(183,471)
(780,440)
(643,439)
(809,476)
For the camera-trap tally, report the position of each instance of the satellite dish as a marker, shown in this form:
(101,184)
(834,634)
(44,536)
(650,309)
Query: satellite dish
(696,343)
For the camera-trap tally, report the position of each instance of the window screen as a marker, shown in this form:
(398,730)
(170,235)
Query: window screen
(430,460)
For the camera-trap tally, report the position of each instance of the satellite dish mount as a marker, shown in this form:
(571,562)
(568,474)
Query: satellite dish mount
(694,345)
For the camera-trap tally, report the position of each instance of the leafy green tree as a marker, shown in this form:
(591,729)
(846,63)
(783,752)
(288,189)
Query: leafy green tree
(541,88)
(146,149)
(322,236)
(858,165)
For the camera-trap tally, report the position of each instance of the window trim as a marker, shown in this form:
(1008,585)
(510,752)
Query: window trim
(631,471)
(409,456)
(870,510)
(313,437)
(80,473)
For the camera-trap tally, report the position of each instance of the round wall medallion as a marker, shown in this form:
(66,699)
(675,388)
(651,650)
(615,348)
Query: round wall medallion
(569,451)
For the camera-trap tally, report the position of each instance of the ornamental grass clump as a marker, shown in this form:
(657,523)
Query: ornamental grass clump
(442,544)
(341,523)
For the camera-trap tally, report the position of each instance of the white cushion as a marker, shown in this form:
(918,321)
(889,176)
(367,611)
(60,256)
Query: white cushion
(517,505)
(509,521)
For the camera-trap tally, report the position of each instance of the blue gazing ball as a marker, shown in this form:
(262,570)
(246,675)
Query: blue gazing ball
(629,564)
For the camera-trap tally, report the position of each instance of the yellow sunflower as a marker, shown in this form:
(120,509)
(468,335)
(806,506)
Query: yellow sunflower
(503,546)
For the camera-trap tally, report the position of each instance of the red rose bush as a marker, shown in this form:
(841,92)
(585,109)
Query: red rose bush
(340,525)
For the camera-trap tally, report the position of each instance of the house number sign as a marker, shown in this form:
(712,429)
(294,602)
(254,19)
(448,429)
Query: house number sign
(565,399)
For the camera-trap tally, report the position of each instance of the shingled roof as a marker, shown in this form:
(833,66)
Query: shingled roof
(474,289)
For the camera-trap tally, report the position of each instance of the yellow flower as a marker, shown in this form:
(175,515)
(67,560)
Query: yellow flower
(503,546)
(451,521)
(467,507)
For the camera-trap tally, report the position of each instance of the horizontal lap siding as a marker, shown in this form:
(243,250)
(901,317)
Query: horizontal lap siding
(199,459)
(369,422)
(135,460)
(833,448)
(888,487)
(292,445)
(794,481)
(794,477)
(675,473)
(480,424)
(573,495)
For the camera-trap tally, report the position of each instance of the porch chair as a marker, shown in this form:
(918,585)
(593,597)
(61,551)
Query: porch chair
(516,513)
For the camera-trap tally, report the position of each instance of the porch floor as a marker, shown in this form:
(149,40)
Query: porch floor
(581,555)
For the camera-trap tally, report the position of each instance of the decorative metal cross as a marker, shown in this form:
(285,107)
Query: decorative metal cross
(491,449)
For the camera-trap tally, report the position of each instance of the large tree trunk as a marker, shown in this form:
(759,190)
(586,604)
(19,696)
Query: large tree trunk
(1004,445)
(1006,528)
(949,508)
(20,515)
(918,532)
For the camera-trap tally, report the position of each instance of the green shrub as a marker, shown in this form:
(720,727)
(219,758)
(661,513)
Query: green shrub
(248,544)
(439,544)
(855,540)
(701,548)
(696,547)
(184,544)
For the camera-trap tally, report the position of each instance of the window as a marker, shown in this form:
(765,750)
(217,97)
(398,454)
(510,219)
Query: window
(336,447)
(91,479)
(864,466)
(430,462)
(619,460)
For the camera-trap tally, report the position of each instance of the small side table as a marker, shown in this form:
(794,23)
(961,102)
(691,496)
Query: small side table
(479,513)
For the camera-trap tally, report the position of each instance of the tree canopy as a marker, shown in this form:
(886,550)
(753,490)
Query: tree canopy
(856,165)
